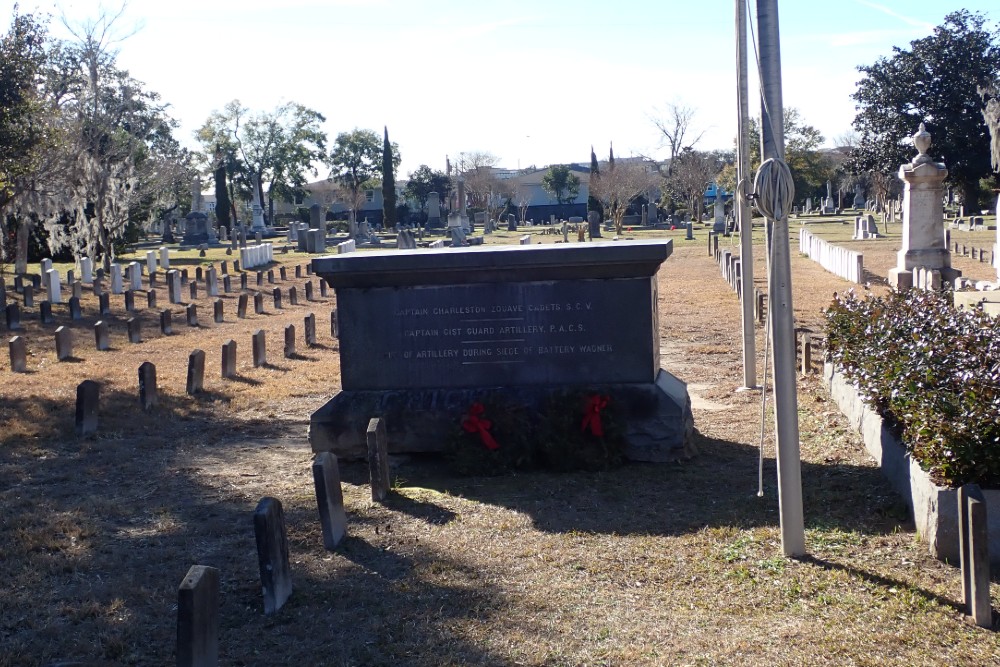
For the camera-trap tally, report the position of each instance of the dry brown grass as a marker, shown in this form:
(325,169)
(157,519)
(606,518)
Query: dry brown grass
(672,565)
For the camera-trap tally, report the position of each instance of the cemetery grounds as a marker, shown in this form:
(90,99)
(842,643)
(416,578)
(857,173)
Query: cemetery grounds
(643,565)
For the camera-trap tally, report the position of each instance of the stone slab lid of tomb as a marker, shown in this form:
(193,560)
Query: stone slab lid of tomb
(491,264)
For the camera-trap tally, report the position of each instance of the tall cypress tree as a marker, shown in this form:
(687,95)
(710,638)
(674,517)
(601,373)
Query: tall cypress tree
(388,185)
(593,203)
(222,206)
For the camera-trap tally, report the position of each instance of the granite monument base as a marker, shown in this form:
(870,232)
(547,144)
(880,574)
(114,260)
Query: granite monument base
(657,418)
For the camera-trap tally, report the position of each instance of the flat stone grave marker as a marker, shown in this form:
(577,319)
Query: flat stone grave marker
(229,359)
(310,329)
(102,339)
(88,395)
(134,327)
(289,341)
(521,322)
(18,355)
(64,343)
(259,346)
(198,618)
(147,385)
(196,372)
(378,459)
(13,316)
(272,553)
(330,498)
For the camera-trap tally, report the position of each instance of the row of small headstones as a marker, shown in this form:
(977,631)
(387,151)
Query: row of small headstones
(133,274)
(198,594)
(975,253)
(64,336)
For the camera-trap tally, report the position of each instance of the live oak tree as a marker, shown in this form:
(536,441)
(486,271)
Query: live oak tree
(811,168)
(936,82)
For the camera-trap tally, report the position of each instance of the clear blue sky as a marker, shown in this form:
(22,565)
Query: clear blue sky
(533,82)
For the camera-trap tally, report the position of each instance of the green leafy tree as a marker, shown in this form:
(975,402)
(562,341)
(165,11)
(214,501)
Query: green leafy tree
(222,204)
(811,168)
(356,161)
(424,181)
(278,147)
(935,81)
(388,184)
(561,183)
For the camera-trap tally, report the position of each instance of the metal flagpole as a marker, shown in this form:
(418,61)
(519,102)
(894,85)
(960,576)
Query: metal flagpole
(780,285)
(741,206)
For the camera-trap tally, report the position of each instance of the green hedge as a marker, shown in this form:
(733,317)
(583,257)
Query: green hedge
(933,371)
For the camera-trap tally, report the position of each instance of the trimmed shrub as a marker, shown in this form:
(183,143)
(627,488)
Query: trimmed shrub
(933,371)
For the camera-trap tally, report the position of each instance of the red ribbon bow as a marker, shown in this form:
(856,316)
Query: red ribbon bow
(473,423)
(592,415)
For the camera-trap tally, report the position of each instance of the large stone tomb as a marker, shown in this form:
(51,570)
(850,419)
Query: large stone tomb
(424,334)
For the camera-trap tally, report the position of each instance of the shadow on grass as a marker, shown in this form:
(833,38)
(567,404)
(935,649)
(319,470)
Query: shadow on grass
(716,488)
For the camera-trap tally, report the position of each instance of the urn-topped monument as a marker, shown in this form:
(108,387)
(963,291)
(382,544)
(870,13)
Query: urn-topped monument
(923,243)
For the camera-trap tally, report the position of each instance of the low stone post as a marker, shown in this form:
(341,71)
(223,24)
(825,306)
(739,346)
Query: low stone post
(196,372)
(272,553)
(974,554)
(198,618)
(330,498)
(18,355)
(259,349)
(88,394)
(310,329)
(289,341)
(378,459)
(229,359)
(148,396)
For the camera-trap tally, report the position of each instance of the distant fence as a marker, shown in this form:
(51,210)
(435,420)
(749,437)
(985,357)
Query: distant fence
(848,264)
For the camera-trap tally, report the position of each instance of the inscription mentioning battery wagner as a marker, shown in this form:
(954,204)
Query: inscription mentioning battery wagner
(506,333)
(496,334)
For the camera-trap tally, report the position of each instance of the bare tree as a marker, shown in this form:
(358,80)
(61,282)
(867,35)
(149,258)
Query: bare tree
(675,126)
(522,197)
(692,173)
(618,187)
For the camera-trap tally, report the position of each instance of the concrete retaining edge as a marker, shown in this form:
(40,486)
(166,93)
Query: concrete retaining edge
(934,508)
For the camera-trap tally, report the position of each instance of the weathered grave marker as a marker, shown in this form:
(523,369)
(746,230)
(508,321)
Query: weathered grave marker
(18,355)
(334,325)
(13,316)
(330,498)
(309,291)
(129,301)
(272,553)
(258,303)
(29,296)
(147,385)
(241,306)
(192,314)
(166,325)
(289,341)
(75,313)
(259,349)
(45,312)
(196,372)
(134,327)
(974,554)
(283,273)
(217,311)
(378,459)
(151,299)
(277,298)
(198,618)
(88,394)
(104,304)
(64,343)
(293,296)
(193,289)
(229,359)
(322,288)
(102,339)
(310,329)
